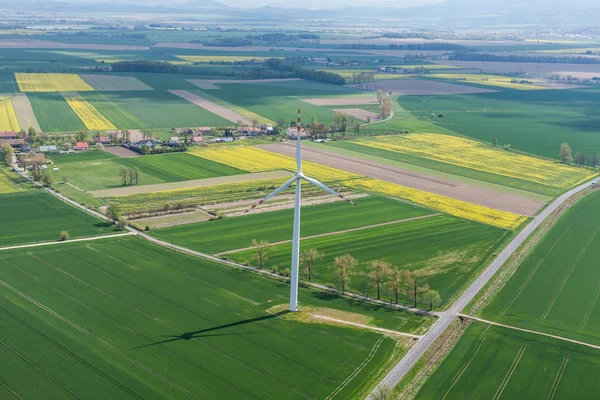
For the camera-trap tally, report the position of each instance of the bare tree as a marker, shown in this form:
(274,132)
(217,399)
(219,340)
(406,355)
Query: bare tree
(343,270)
(395,279)
(414,283)
(308,258)
(382,393)
(378,270)
(263,249)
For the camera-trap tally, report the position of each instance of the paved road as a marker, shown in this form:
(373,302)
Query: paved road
(417,351)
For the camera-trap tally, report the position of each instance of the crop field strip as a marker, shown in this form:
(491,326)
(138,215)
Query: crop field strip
(137,338)
(114,83)
(8,118)
(117,116)
(24,111)
(494,362)
(457,250)
(493,80)
(54,113)
(47,217)
(232,233)
(9,182)
(556,288)
(40,82)
(471,154)
(88,114)
(549,117)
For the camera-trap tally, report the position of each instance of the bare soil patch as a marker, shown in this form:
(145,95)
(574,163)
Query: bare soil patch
(46,44)
(131,190)
(109,83)
(454,189)
(341,101)
(164,221)
(121,151)
(419,87)
(24,112)
(210,106)
(358,113)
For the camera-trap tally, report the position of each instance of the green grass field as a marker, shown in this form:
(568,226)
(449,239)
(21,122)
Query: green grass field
(556,288)
(54,114)
(111,111)
(161,109)
(97,170)
(36,216)
(238,232)
(123,318)
(178,167)
(445,250)
(536,122)
(494,362)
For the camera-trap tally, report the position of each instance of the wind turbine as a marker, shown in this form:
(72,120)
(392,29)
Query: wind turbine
(298,176)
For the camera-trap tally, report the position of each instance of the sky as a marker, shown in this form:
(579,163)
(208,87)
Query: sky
(317,4)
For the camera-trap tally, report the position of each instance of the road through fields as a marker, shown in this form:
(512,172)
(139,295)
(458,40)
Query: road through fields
(417,351)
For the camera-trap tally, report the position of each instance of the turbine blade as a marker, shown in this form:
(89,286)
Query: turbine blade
(274,193)
(298,146)
(327,189)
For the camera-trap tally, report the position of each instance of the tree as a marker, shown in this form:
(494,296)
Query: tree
(136,175)
(357,126)
(380,96)
(382,393)
(113,211)
(263,249)
(387,107)
(81,137)
(378,270)
(64,235)
(31,134)
(395,278)
(566,156)
(414,284)
(121,222)
(342,268)
(46,178)
(123,175)
(432,299)
(308,258)
(495,142)
(7,153)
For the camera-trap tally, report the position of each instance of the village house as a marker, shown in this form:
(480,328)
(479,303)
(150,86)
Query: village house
(102,139)
(82,146)
(204,131)
(250,131)
(14,139)
(197,140)
(292,133)
(173,141)
(148,143)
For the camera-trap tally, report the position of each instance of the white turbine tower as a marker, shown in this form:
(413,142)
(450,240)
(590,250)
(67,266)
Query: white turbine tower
(296,237)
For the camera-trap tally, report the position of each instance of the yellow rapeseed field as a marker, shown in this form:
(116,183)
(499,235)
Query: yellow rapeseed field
(91,117)
(458,208)
(482,157)
(493,80)
(8,118)
(51,83)
(252,159)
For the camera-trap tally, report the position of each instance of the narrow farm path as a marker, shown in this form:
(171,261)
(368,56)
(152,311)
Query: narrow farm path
(363,326)
(336,233)
(86,239)
(485,321)
(436,330)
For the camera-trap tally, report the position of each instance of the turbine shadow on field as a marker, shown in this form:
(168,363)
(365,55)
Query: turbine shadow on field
(201,333)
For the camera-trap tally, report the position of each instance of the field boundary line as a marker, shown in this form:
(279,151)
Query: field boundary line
(564,339)
(369,327)
(334,233)
(87,239)
(590,308)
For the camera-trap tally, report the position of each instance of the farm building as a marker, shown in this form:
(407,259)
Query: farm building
(102,139)
(197,139)
(173,140)
(15,139)
(204,130)
(250,131)
(82,146)
(304,134)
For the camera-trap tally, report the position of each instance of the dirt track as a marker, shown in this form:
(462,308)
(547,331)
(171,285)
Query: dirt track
(214,108)
(495,199)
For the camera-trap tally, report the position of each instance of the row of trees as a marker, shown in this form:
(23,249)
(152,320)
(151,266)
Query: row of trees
(381,275)
(284,65)
(473,56)
(580,159)
(144,66)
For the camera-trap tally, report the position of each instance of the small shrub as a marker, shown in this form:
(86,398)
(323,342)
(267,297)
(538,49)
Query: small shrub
(147,228)
(275,269)
(64,235)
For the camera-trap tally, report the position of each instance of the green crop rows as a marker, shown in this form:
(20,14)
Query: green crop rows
(123,318)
